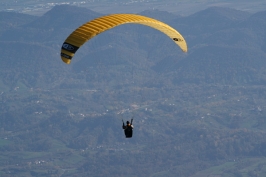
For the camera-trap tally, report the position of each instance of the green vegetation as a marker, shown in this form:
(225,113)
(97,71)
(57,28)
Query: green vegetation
(4,142)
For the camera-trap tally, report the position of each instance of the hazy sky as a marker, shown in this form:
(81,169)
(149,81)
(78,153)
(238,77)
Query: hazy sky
(181,7)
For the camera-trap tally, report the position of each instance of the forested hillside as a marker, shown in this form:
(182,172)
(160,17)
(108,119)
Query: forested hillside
(196,114)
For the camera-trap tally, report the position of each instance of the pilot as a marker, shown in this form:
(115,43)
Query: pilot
(128,129)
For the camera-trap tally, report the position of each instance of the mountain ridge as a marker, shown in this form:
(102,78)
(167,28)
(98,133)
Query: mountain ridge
(196,114)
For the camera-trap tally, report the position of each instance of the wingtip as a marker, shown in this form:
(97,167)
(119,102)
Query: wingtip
(65,60)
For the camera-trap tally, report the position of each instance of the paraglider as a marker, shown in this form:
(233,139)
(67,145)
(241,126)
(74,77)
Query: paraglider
(128,128)
(92,28)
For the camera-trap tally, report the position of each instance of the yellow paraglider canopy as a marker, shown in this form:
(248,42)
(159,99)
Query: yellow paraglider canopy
(92,28)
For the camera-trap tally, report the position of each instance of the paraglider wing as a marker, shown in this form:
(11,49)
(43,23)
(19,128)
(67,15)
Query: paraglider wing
(92,28)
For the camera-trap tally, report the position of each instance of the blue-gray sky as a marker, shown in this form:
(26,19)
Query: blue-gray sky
(181,7)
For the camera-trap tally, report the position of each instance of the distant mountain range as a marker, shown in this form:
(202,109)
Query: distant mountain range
(225,45)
